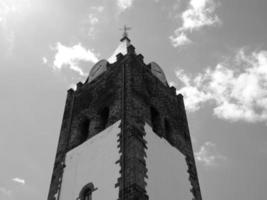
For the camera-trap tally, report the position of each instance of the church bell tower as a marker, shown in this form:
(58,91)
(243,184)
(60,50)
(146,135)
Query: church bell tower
(124,136)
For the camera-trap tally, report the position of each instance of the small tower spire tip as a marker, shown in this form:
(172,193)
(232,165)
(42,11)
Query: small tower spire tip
(125,34)
(125,31)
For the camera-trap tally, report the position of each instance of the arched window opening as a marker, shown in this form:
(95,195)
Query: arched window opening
(168,129)
(155,119)
(84,130)
(104,114)
(86,192)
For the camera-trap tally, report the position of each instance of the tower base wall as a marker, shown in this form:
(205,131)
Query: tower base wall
(93,162)
(166,169)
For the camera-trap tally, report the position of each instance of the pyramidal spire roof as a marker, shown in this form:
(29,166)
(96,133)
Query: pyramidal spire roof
(122,47)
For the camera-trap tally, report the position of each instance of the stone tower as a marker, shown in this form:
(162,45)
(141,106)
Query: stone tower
(124,136)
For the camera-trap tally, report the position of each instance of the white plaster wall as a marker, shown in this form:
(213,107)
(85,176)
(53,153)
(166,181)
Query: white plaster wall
(93,161)
(167,170)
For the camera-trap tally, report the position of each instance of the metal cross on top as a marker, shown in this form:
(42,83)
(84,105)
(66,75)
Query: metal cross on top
(125,31)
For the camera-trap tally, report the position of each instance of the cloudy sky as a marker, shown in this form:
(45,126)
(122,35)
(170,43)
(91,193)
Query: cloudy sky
(213,51)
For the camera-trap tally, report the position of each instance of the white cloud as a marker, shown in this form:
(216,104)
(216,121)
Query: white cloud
(93,19)
(44,60)
(237,87)
(194,97)
(208,155)
(179,40)
(71,56)
(124,4)
(19,180)
(199,13)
